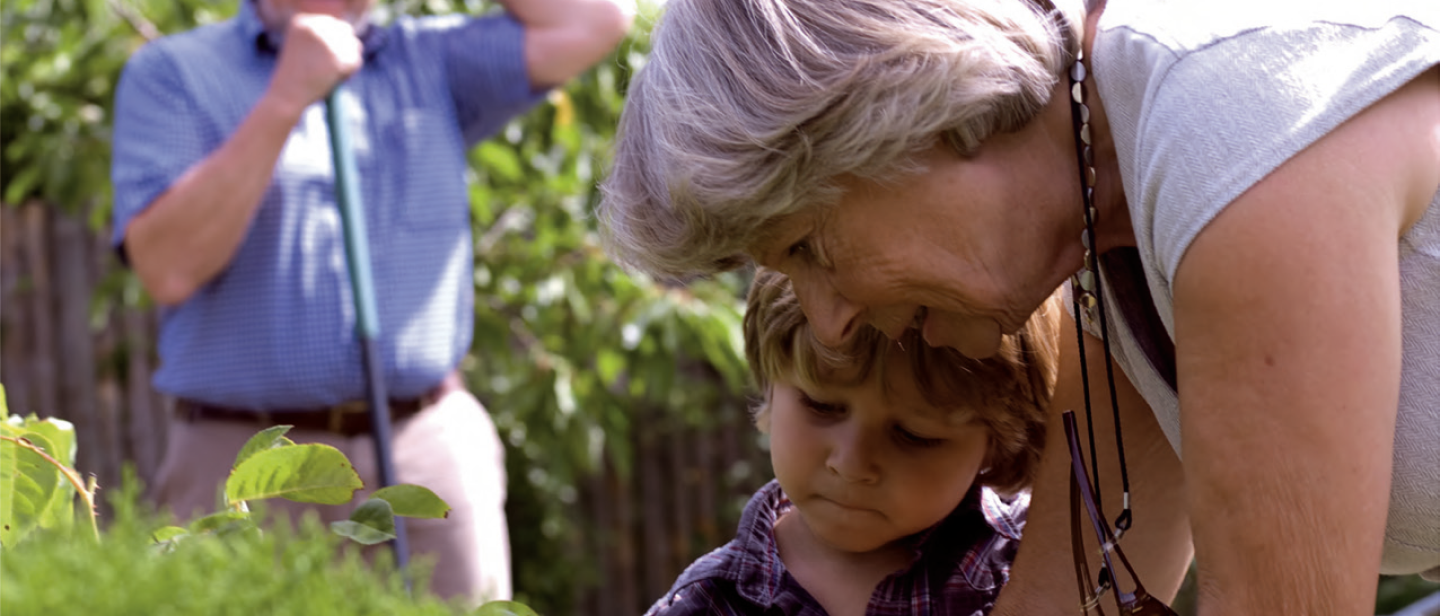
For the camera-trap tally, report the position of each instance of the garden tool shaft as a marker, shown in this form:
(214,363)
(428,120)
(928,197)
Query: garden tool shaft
(362,285)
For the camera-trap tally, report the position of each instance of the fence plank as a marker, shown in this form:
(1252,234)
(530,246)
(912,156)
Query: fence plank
(707,523)
(599,516)
(649,462)
(682,496)
(141,429)
(627,584)
(163,404)
(14,309)
(44,390)
(71,303)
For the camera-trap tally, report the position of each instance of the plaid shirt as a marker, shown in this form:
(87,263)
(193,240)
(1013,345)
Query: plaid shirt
(958,566)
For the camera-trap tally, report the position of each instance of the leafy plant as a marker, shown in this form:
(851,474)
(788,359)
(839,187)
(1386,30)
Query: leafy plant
(37,484)
(38,489)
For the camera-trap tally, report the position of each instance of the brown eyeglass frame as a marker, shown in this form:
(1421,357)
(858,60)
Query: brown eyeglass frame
(1136,603)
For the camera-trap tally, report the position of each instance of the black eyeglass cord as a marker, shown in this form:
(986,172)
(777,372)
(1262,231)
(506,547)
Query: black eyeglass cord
(1079,116)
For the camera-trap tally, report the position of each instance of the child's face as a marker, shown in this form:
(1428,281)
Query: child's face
(865,466)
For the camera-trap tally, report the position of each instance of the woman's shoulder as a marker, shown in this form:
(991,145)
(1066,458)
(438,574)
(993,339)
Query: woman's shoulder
(1203,106)
(1182,26)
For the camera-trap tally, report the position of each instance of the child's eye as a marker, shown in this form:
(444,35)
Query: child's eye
(824,409)
(907,437)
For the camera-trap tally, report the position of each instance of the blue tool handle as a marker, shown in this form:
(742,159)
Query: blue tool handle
(362,285)
(352,216)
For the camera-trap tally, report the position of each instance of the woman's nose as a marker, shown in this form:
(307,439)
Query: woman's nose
(833,318)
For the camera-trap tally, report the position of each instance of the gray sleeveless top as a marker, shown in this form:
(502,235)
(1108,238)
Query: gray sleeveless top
(1204,100)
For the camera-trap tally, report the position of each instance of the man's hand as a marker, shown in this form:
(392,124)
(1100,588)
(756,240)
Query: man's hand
(192,230)
(320,51)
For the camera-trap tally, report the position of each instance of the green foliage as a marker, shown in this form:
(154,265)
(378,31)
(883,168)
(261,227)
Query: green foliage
(223,563)
(310,473)
(1395,592)
(413,501)
(269,438)
(62,60)
(568,347)
(37,485)
(504,608)
(280,572)
(372,522)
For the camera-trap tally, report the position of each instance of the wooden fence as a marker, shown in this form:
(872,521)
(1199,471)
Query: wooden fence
(72,346)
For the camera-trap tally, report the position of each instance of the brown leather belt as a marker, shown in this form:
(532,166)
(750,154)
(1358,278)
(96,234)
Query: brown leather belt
(346,419)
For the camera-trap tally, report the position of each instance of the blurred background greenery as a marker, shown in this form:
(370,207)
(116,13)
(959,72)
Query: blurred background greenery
(621,400)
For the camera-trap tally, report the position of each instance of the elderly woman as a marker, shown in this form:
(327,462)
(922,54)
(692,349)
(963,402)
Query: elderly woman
(1258,180)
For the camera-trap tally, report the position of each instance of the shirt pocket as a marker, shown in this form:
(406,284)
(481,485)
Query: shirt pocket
(434,194)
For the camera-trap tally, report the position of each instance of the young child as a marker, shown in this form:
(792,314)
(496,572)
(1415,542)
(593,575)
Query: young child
(890,459)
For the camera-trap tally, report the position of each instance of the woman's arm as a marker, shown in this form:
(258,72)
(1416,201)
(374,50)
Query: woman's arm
(1042,580)
(1287,313)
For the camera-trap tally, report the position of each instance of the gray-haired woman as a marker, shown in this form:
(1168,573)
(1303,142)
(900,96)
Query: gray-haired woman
(1259,179)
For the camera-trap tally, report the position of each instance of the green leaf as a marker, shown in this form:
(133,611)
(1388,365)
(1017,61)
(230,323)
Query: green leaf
(168,533)
(22,184)
(309,473)
(504,608)
(4,406)
(500,161)
(217,521)
(165,539)
(57,432)
(27,483)
(413,501)
(60,511)
(269,438)
(371,523)
(9,459)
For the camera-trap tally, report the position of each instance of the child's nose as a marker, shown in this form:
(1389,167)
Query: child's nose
(851,458)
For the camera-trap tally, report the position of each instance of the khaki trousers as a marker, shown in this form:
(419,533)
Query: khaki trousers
(450,447)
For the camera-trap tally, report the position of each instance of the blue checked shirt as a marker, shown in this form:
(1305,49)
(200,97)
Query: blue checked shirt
(276,328)
(957,567)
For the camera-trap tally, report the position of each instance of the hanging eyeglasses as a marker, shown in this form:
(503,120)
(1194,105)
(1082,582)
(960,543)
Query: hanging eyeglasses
(1136,602)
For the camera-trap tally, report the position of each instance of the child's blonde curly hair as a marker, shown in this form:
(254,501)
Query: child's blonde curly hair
(1008,393)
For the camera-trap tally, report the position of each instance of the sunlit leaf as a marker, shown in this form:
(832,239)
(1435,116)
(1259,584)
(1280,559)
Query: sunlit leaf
(269,438)
(413,501)
(60,436)
(27,483)
(309,473)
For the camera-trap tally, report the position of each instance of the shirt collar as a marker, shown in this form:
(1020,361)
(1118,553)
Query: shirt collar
(762,581)
(373,38)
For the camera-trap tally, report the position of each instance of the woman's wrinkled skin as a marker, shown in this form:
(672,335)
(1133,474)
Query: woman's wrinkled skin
(964,250)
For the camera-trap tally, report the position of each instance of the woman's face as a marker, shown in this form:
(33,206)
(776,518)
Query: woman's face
(966,250)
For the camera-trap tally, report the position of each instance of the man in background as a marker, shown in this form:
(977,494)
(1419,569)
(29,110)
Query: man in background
(225,208)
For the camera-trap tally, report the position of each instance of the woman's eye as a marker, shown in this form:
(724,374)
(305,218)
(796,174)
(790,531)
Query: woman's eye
(798,248)
(824,409)
(907,437)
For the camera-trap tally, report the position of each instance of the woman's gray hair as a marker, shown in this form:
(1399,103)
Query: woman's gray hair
(748,110)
